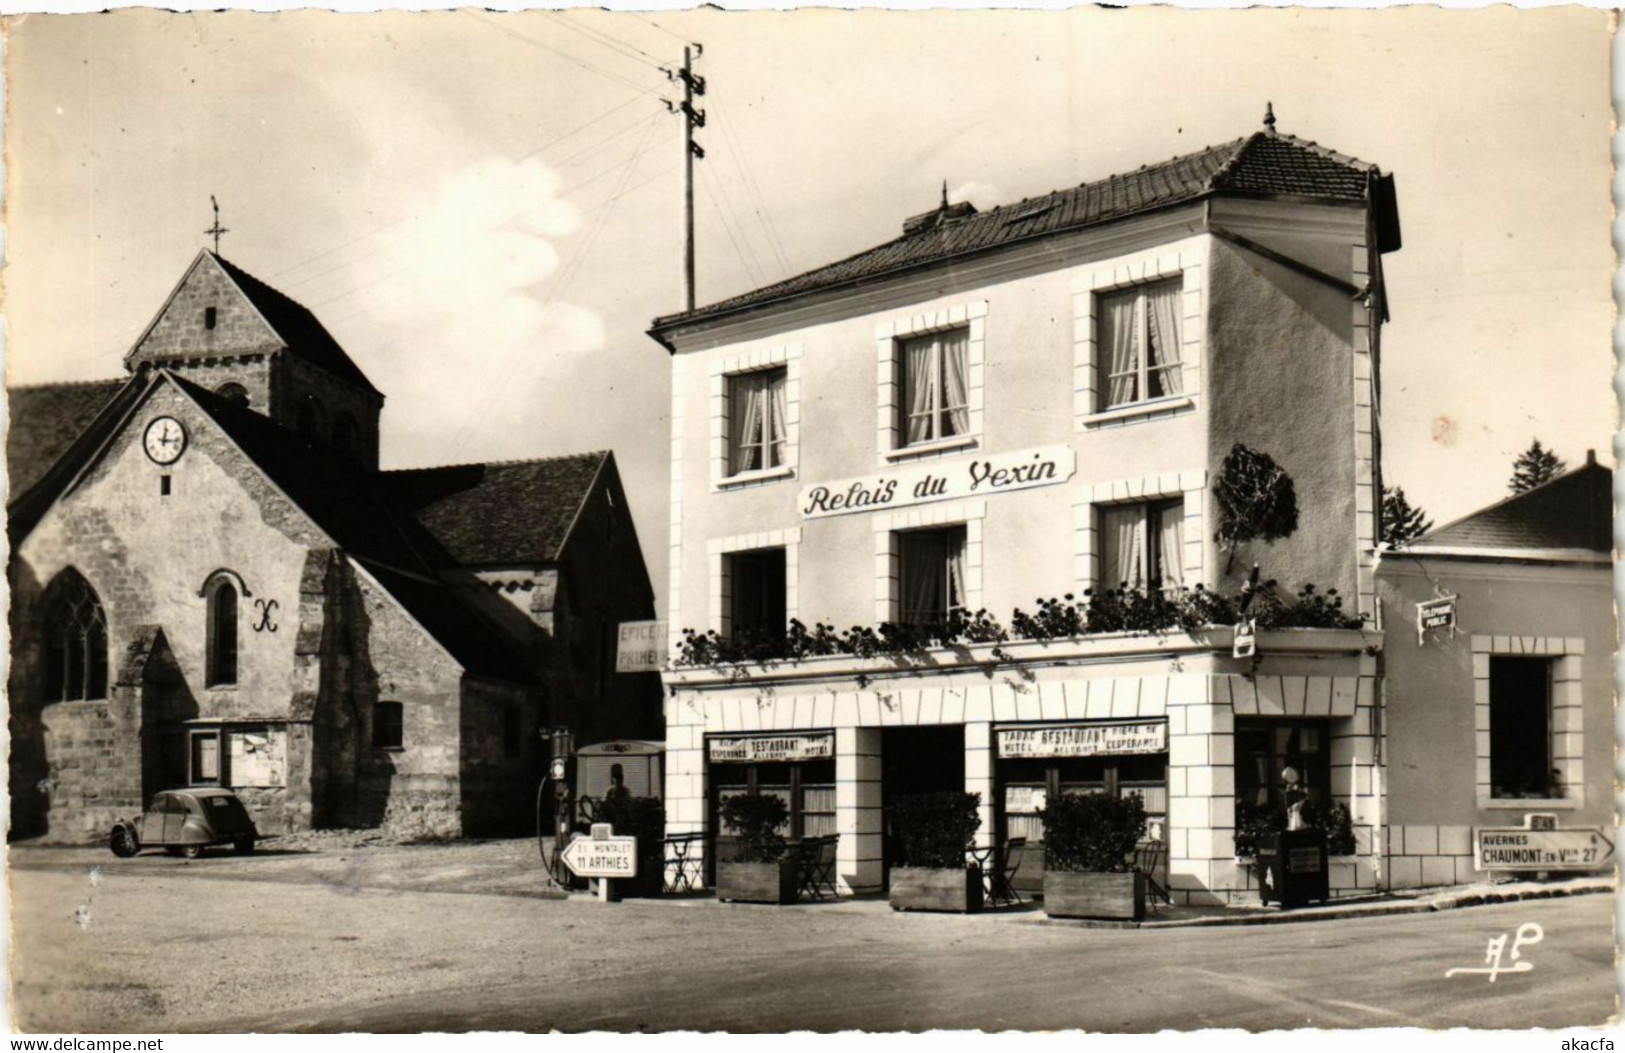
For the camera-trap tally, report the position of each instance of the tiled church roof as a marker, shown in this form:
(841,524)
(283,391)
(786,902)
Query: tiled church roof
(1574,513)
(1259,164)
(45,419)
(305,336)
(507,513)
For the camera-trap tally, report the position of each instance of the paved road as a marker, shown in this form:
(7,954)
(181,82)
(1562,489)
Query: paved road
(170,946)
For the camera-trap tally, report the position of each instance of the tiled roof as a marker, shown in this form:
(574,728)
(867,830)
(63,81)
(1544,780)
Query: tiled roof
(45,420)
(352,506)
(507,513)
(297,326)
(1574,512)
(1259,164)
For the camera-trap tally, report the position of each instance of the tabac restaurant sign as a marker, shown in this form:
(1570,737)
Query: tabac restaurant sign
(919,484)
(1083,740)
(767,749)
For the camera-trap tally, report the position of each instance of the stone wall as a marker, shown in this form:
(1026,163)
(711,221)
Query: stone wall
(180,332)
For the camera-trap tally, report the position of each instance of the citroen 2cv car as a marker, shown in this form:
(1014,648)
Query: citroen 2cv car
(184,822)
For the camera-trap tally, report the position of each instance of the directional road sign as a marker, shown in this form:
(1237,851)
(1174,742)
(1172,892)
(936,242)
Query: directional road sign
(1515,848)
(602,857)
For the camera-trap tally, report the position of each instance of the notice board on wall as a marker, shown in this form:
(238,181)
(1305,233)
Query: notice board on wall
(258,757)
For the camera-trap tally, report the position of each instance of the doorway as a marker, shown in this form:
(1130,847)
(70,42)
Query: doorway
(914,760)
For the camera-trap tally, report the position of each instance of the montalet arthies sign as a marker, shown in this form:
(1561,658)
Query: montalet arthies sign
(764,749)
(1083,740)
(919,484)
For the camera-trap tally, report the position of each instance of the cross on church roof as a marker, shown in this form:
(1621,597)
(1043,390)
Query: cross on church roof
(217,229)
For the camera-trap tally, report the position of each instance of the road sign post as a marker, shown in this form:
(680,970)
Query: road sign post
(1519,848)
(603,856)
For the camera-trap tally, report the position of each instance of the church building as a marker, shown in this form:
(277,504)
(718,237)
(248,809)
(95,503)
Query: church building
(213,583)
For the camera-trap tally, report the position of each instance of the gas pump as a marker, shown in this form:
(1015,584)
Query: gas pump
(561,772)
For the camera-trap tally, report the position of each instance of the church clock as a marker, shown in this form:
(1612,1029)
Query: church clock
(164,440)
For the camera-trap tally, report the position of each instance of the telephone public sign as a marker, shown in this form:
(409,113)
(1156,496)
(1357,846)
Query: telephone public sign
(602,856)
(1517,848)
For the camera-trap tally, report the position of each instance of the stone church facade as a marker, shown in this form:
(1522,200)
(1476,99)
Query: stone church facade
(214,584)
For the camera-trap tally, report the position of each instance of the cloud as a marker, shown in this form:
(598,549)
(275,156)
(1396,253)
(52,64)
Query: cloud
(982,195)
(459,318)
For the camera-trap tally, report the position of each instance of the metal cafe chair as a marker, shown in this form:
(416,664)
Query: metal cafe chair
(1149,857)
(816,867)
(683,868)
(1003,890)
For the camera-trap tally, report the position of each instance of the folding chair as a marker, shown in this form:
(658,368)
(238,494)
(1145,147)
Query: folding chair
(1148,859)
(817,867)
(1002,891)
(682,867)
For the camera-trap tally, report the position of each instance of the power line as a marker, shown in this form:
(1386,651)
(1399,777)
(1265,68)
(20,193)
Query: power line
(754,190)
(752,265)
(657,25)
(617,78)
(621,47)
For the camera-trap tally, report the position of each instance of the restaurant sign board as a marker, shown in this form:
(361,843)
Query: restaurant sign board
(918,484)
(1083,740)
(767,749)
(1517,848)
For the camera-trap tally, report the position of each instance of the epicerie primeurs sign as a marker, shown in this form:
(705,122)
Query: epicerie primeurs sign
(1083,740)
(767,749)
(940,481)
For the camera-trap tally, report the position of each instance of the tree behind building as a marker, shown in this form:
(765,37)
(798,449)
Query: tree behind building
(1401,522)
(1533,467)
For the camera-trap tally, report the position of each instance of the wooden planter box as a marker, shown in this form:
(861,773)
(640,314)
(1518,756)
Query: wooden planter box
(757,882)
(1091,894)
(927,888)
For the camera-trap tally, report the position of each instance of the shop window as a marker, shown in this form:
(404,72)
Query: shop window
(807,789)
(1266,748)
(759,427)
(221,645)
(934,383)
(388,731)
(1521,727)
(1028,785)
(757,602)
(75,640)
(931,574)
(1142,544)
(1138,331)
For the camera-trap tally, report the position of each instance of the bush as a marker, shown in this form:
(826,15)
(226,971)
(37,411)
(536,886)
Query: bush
(934,829)
(1092,831)
(641,817)
(756,819)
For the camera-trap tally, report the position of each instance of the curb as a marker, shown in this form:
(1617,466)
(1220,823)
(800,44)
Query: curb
(1470,897)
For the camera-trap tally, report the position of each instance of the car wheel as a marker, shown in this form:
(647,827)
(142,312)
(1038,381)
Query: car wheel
(243,846)
(124,843)
(191,851)
(172,850)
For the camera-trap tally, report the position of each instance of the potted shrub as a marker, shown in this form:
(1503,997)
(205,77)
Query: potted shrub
(645,819)
(1089,842)
(930,834)
(762,870)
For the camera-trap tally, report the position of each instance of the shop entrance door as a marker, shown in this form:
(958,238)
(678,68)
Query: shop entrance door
(926,759)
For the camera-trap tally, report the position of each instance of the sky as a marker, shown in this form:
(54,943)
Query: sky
(485,209)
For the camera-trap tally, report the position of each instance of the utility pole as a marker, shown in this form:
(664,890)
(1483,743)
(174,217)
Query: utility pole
(693,85)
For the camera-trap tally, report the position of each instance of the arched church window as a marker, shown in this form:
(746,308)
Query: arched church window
(346,434)
(233,392)
(221,653)
(75,640)
(309,420)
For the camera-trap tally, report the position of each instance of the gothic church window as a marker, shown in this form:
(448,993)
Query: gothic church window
(75,641)
(222,634)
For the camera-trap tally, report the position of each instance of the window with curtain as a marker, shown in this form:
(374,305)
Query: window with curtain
(75,641)
(756,593)
(1142,545)
(221,664)
(1137,332)
(756,408)
(935,405)
(931,574)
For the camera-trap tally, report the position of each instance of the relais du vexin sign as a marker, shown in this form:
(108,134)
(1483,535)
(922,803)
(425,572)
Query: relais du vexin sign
(919,484)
